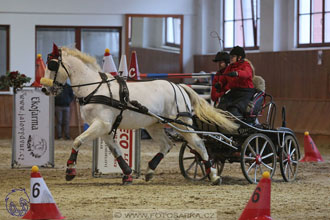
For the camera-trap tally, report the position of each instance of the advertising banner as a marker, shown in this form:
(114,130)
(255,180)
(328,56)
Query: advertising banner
(129,144)
(33,138)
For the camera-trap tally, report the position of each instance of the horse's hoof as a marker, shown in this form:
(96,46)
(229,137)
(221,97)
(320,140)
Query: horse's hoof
(149,176)
(217,181)
(70,174)
(127,179)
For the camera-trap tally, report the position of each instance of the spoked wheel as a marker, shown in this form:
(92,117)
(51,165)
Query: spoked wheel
(289,157)
(192,166)
(258,155)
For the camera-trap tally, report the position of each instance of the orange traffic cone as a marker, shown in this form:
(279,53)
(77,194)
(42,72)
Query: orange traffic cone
(134,72)
(40,71)
(311,152)
(108,63)
(258,207)
(42,204)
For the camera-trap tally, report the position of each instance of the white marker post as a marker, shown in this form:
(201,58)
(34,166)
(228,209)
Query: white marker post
(104,163)
(33,132)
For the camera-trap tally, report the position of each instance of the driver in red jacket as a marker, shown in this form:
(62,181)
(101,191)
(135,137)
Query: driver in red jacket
(236,83)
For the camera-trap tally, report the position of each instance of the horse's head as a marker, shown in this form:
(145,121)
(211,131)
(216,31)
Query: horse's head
(56,73)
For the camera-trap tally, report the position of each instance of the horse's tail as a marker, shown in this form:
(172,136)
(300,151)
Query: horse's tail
(208,113)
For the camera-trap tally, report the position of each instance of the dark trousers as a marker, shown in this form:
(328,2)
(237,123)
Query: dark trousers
(62,121)
(236,100)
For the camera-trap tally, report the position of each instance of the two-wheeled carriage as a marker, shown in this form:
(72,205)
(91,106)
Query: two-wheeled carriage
(256,146)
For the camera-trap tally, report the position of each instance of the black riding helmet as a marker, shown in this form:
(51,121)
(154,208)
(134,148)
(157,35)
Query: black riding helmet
(222,56)
(238,51)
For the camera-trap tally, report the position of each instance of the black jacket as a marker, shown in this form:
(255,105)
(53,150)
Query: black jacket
(65,97)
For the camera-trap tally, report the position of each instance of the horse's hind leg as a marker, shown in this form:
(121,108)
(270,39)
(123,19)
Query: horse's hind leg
(96,129)
(158,134)
(198,144)
(116,152)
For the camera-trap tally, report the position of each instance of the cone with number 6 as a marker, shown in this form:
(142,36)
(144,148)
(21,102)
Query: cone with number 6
(258,207)
(42,205)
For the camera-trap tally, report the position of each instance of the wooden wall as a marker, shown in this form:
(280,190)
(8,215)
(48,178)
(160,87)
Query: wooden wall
(295,80)
(6,115)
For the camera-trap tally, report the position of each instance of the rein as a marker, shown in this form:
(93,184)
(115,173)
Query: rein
(88,84)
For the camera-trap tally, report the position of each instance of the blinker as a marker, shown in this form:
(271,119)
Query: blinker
(53,65)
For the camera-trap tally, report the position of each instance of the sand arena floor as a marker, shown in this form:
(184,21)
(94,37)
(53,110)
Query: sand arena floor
(95,198)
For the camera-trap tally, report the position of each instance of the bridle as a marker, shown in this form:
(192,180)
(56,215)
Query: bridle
(54,66)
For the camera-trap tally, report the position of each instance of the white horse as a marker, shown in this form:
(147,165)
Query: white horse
(160,97)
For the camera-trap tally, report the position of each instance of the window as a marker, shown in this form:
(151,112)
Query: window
(95,40)
(91,40)
(4,49)
(173,31)
(313,23)
(241,23)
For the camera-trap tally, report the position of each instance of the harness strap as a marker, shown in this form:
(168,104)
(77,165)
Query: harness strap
(124,98)
(101,99)
(116,123)
(183,114)
(177,121)
(123,89)
(176,101)
(185,101)
(86,100)
(105,80)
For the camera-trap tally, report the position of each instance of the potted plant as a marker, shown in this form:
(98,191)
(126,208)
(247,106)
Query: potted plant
(13,79)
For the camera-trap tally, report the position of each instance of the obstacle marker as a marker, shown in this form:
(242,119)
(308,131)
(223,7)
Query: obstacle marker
(108,63)
(134,72)
(122,70)
(40,71)
(311,152)
(42,205)
(258,207)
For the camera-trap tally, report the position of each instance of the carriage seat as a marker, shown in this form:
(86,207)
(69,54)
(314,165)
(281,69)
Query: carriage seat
(256,104)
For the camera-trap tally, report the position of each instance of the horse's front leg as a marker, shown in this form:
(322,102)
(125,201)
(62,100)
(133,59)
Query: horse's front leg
(96,129)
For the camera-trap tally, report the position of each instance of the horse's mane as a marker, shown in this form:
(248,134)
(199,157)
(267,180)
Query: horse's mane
(85,58)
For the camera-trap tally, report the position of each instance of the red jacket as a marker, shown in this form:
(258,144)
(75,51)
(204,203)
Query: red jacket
(244,79)
(214,94)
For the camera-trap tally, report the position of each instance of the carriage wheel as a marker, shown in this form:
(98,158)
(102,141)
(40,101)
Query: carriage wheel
(192,166)
(289,158)
(258,155)
(219,165)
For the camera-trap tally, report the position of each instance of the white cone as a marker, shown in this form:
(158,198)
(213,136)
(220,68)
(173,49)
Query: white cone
(108,63)
(123,66)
